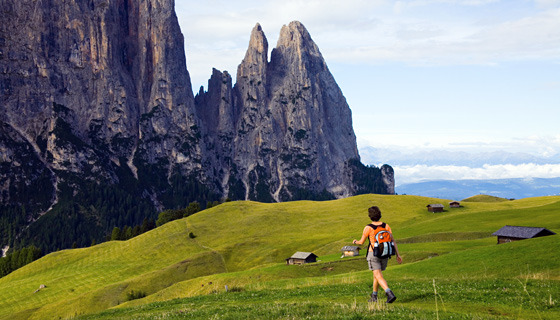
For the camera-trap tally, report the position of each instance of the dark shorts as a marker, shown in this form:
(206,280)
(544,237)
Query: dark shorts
(374,263)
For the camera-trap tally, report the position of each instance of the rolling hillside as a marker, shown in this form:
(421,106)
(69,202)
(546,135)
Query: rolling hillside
(243,245)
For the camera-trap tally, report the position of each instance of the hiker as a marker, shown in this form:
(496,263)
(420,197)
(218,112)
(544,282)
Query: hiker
(377,265)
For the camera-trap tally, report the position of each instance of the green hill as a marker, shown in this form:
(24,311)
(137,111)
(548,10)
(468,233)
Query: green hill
(168,274)
(484,198)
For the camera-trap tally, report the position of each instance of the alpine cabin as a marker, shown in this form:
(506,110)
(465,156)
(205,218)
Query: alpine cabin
(435,207)
(350,251)
(514,233)
(455,204)
(301,258)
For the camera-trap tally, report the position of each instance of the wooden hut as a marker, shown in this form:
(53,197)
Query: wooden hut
(454,204)
(301,258)
(514,233)
(350,251)
(435,207)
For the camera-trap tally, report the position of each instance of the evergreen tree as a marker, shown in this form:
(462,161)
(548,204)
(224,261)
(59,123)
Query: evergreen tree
(127,233)
(192,208)
(116,234)
(136,231)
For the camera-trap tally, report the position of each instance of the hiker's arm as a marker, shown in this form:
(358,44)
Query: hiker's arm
(399,259)
(364,237)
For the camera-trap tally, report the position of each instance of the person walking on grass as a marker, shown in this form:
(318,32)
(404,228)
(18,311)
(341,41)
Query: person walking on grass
(376,264)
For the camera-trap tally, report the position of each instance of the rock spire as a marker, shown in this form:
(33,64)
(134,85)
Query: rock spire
(293,135)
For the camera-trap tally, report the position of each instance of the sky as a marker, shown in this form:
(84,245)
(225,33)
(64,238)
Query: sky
(462,77)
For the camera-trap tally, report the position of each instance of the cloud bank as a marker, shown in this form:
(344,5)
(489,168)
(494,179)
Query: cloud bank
(421,172)
(531,157)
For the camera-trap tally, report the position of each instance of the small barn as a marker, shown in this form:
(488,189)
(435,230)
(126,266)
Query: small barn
(301,258)
(350,251)
(454,204)
(514,233)
(435,207)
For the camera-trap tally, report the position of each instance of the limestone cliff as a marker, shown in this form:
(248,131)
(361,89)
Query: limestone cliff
(288,132)
(88,82)
(96,92)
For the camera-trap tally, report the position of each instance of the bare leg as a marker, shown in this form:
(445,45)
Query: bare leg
(378,277)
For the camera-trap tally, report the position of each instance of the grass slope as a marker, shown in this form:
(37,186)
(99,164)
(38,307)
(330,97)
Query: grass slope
(243,245)
(526,290)
(485,198)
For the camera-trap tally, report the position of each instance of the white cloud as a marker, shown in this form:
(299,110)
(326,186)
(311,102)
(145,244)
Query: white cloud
(417,173)
(429,42)
(548,3)
(527,157)
(413,144)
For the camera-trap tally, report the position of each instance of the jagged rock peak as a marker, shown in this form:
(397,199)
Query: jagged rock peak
(295,34)
(256,58)
(296,51)
(258,40)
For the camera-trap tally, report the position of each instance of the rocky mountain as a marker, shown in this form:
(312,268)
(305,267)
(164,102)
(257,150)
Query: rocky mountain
(284,128)
(100,128)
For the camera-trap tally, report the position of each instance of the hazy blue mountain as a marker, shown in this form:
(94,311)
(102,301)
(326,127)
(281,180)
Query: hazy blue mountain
(505,188)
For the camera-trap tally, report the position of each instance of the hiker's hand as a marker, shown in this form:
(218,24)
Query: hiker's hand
(354,241)
(399,259)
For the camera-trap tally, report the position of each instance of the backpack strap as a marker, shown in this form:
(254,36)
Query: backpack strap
(371,225)
(382,225)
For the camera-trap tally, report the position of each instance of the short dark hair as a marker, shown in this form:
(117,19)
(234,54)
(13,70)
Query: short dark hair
(374,213)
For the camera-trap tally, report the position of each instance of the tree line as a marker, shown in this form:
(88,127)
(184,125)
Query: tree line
(18,259)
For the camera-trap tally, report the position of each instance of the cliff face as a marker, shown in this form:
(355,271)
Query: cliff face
(96,94)
(99,120)
(285,125)
(93,82)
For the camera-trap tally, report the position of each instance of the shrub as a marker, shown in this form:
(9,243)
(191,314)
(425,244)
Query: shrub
(133,295)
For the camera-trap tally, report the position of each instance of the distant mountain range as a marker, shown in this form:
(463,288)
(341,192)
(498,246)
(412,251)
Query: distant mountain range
(454,174)
(461,189)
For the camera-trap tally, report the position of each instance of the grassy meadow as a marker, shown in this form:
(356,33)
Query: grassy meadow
(452,267)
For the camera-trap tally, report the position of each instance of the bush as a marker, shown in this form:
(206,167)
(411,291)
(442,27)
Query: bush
(174,214)
(133,295)
(169,215)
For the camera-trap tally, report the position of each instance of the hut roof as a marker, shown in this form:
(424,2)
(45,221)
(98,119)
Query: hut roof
(350,248)
(436,205)
(522,232)
(302,255)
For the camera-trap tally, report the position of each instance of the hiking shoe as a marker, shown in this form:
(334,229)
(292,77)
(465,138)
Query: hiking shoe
(391,297)
(373,298)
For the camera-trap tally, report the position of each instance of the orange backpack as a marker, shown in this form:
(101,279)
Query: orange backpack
(383,247)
